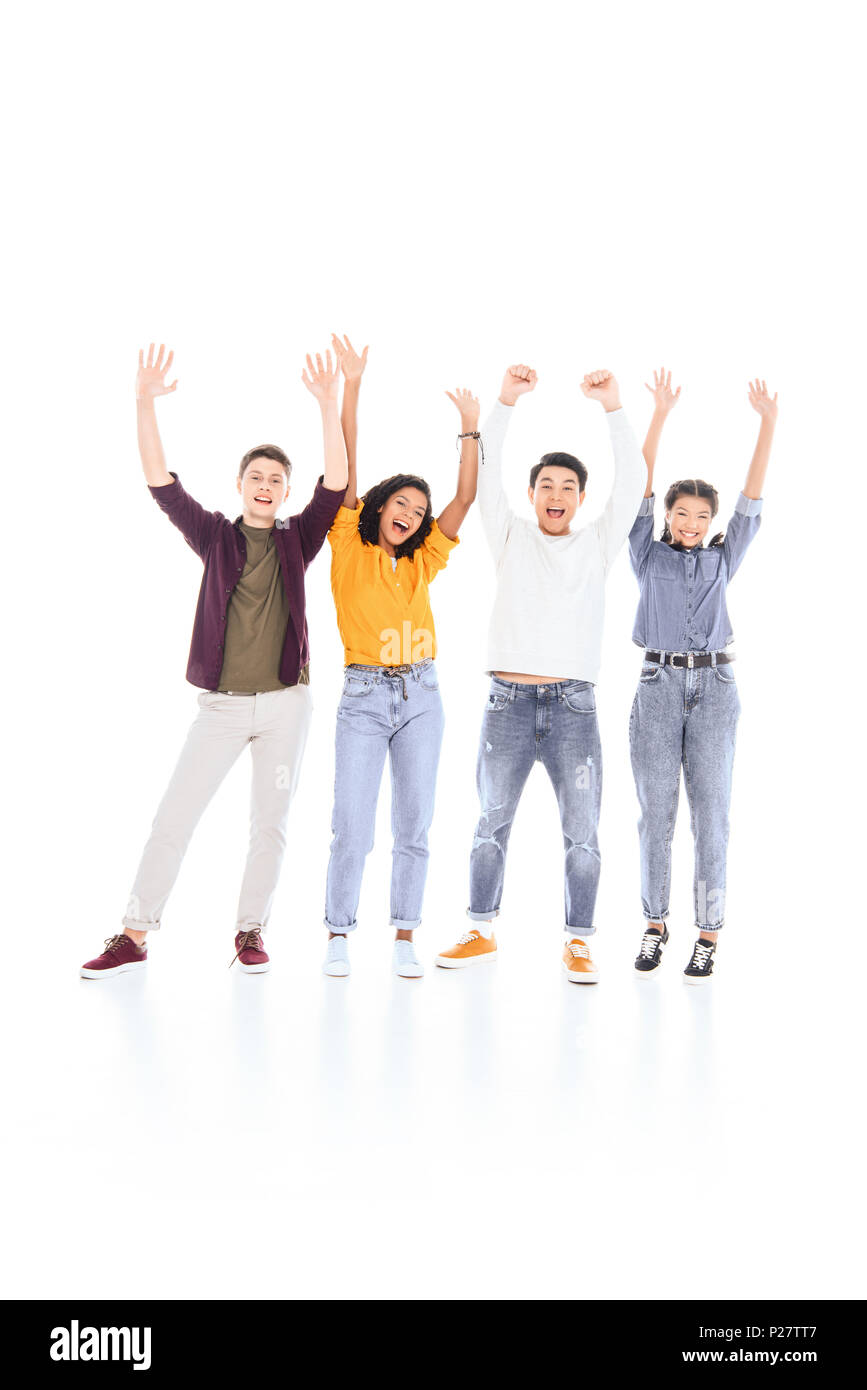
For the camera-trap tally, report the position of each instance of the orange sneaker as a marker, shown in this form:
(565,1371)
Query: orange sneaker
(472,949)
(577,963)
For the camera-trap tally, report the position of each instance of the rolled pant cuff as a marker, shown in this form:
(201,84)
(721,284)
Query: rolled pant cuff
(483,916)
(579,931)
(135,925)
(709,926)
(400,925)
(340,931)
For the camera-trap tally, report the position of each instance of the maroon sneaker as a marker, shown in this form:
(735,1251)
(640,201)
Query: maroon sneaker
(250,953)
(121,953)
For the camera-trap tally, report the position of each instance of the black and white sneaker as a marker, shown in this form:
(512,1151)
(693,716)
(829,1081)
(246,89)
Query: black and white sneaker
(649,957)
(700,967)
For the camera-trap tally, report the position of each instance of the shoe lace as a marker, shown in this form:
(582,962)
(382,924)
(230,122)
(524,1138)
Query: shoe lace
(702,954)
(650,944)
(250,940)
(336,947)
(579,949)
(114,943)
(405,950)
(469,936)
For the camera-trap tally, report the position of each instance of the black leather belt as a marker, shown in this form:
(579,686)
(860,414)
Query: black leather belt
(688,659)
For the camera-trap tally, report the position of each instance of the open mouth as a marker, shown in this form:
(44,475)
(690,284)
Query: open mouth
(265,501)
(689,535)
(555,513)
(402,527)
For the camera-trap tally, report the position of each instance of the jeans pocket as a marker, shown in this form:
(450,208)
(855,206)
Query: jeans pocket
(724,675)
(497,700)
(580,699)
(355,687)
(649,673)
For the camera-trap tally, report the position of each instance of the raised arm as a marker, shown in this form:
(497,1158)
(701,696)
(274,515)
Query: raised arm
(747,516)
(324,383)
(664,400)
(630,473)
(761,401)
(352,365)
(452,515)
(150,382)
(494,508)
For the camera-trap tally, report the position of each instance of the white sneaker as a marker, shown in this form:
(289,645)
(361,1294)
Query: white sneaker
(336,957)
(406,962)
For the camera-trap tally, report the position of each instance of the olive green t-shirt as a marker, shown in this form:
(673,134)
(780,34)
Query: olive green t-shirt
(256,620)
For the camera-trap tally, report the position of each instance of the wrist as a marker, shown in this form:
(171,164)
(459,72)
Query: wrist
(611,406)
(144,401)
(505,399)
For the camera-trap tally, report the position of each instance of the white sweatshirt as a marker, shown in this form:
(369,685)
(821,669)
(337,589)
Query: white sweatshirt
(550,601)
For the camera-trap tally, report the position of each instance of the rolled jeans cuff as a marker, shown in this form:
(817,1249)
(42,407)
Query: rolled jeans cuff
(483,916)
(340,931)
(709,926)
(135,925)
(579,931)
(400,925)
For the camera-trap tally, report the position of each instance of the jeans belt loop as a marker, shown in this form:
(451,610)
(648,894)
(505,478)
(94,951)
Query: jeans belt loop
(662,658)
(713,659)
(689,660)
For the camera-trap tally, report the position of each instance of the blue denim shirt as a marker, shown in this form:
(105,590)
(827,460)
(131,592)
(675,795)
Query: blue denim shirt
(682,607)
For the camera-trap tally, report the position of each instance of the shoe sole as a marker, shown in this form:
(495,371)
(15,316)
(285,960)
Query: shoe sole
(409,975)
(255,969)
(335,974)
(645,973)
(449,963)
(112,970)
(583,979)
(697,979)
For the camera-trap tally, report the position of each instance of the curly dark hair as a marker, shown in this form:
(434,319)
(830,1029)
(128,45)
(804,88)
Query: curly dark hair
(692,487)
(377,496)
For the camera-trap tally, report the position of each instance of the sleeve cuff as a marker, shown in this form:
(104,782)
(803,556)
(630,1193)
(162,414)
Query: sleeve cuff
(617,420)
(647,504)
(155,490)
(748,506)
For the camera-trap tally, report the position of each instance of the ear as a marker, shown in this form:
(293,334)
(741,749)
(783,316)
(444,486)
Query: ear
(531,493)
(581,497)
(238,483)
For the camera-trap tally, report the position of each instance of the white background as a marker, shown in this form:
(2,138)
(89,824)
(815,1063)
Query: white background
(461,186)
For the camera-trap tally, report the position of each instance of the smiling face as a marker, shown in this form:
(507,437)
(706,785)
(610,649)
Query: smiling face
(688,520)
(264,488)
(556,498)
(400,517)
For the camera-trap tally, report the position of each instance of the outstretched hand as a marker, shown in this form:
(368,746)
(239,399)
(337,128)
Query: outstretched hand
(151,376)
(323,381)
(517,382)
(351,364)
(664,398)
(602,386)
(468,405)
(760,399)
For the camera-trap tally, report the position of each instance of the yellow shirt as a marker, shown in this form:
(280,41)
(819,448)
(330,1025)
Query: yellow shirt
(383,610)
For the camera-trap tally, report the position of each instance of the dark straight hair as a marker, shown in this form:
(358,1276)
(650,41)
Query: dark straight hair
(559,460)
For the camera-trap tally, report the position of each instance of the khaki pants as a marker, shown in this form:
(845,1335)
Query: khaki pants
(275,725)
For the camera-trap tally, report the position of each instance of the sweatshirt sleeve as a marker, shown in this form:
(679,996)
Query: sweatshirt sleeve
(641,537)
(630,480)
(497,516)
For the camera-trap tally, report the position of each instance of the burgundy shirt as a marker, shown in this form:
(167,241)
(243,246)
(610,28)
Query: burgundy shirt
(220,544)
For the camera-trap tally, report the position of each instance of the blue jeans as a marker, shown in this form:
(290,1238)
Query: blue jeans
(374,719)
(556,726)
(684,718)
